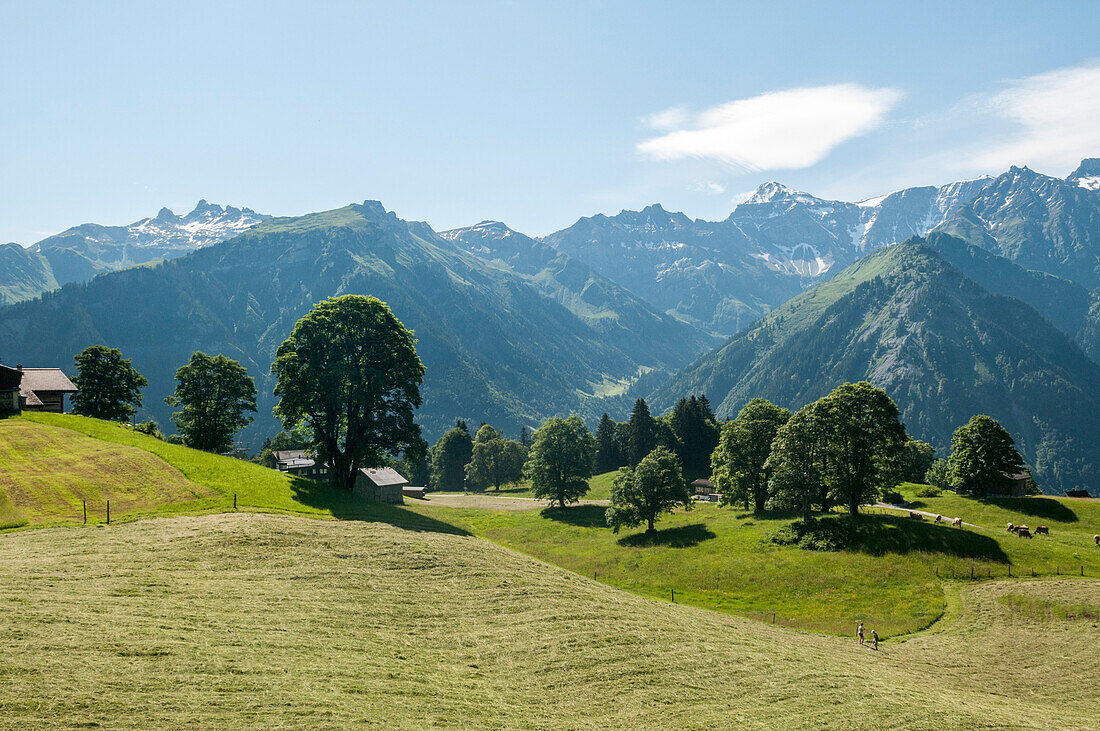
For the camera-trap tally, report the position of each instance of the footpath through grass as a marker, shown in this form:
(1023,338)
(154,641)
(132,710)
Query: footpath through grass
(268,621)
(891,572)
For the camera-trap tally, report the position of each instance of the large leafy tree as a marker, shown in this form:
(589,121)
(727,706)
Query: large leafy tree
(865,441)
(109,385)
(983,457)
(916,459)
(561,459)
(449,458)
(349,372)
(641,494)
(641,433)
(797,461)
(741,461)
(495,460)
(696,432)
(608,454)
(214,394)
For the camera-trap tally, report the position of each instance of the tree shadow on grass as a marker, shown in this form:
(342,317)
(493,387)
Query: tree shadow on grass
(682,536)
(346,505)
(582,516)
(880,534)
(1039,507)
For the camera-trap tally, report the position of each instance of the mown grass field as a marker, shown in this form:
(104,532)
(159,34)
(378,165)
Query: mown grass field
(97,460)
(892,574)
(283,622)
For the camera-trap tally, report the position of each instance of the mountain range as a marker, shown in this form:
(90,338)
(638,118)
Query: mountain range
(507,343)
(994,307)
(81,252)
(939,343)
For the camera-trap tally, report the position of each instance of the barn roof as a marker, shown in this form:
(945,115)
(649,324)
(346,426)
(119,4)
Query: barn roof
(383,476)
(47,379)
(702,483)
(282,455)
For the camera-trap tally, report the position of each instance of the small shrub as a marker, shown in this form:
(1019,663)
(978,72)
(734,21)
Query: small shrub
(929,491)
(174,439)
(149,427)
(818,535)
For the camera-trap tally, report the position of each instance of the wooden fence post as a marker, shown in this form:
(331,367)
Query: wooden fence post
(234,501)
(85,504)
(673,596)
(108,512)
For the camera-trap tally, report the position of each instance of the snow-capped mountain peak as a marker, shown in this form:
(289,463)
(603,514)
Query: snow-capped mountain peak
(1087,174)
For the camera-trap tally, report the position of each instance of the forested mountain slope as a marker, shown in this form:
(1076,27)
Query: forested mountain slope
(941,345)
(497,347)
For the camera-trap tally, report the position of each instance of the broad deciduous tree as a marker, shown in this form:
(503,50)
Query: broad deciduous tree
(916,458)
(740,464)
(449,458)
(865,439)
(797,461)
(561,459)
(109,387)
(350,373)
(495,460)
(641,494)
(214,394)
(983,457)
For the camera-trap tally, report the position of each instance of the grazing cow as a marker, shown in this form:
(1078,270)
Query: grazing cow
(916,516)
(1096,540)
(1010,527)
(939,518)
(1042,529)
(1023,532)
(957,522)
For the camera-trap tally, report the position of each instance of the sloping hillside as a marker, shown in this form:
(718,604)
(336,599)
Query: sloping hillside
(272,621)
(46,472)
(50,462)
(497,349)
(942,346)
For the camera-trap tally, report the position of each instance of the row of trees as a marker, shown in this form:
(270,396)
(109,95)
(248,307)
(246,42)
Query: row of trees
(214,395)
(845,449)
(690,431)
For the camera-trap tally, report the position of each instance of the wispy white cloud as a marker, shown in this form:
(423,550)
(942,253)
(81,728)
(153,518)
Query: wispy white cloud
(667,119)
(1055,119)
(710,188)
(779,130)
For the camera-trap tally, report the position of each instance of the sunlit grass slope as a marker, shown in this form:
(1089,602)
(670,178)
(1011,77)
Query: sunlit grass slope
(214,479)
(599,488)
(270,621)
(892,573)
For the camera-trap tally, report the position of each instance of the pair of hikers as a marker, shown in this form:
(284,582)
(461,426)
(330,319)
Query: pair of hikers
(874,637)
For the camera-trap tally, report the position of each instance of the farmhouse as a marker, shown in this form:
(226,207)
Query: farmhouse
(10,379)
(384,485)
(703,487)
(1077,492)
(1017,488)
(298,462)
(33,389)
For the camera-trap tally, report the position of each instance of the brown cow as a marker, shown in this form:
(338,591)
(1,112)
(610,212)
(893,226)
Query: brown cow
(1010,527)
(957,522)
(916,516)
(1023,532)
(1042,529)
(1096,540)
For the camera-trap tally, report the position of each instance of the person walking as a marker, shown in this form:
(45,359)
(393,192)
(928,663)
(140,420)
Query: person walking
(860,633)
(874,639)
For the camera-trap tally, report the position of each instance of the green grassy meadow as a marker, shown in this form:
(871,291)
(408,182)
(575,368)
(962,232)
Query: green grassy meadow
(274,621)
(599,488)
(143,476)
(892,575)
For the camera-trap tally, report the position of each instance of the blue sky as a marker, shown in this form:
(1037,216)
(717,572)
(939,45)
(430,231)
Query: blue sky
(528,112)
